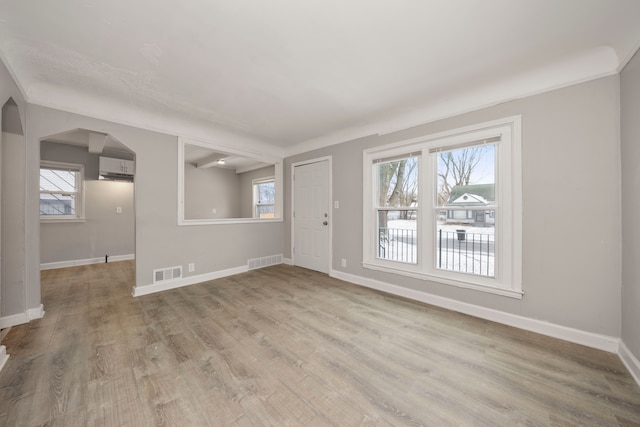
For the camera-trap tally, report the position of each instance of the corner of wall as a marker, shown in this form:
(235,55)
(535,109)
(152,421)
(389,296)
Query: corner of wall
(630,361)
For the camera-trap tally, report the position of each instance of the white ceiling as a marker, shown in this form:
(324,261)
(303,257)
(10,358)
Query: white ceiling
(205,157)
(299,74)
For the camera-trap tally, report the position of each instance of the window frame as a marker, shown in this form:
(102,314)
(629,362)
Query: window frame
(508,207)
(400,153)
(400,208)
(79,216)
(254,189)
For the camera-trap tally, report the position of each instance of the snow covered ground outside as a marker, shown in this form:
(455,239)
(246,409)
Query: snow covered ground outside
(475,254)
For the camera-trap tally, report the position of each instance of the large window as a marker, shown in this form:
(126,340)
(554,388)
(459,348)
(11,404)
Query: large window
(466,231)
(61,191)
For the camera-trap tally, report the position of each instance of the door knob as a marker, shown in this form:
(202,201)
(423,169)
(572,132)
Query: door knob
(325,223)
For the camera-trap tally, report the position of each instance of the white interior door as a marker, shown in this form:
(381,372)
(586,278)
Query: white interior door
(311,216)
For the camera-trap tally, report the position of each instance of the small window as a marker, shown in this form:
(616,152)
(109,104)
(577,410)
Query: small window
(264,193)
(61,191)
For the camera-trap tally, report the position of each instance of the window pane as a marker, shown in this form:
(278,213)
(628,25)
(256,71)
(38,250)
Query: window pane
(57,204)
(398,183)
(266,192)
(466,245)
(464,230)
(466,176)
(57,180)
(264,199)
(397,235)
(265,211)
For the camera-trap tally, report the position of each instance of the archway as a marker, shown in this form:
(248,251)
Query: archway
(87,199)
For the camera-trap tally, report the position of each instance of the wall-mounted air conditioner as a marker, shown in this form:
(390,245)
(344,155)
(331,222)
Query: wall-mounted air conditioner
(120,169)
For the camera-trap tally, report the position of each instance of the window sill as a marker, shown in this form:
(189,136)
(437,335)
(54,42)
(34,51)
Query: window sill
(446,281)
(60,220)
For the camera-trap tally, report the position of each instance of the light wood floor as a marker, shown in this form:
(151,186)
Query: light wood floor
(287,346)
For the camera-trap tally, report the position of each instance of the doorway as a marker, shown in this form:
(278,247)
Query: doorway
(311,214)
(87,189)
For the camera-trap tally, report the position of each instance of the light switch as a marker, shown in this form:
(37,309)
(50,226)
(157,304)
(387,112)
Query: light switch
(118,210)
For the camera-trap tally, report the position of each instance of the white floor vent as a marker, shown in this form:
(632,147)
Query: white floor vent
(265,261)
(169,273)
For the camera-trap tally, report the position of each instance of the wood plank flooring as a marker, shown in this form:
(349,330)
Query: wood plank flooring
(288,346)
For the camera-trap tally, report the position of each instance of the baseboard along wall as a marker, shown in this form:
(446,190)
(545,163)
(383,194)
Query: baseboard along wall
(88,261)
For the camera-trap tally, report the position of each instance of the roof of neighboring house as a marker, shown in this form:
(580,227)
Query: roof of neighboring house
(485,191)
(468,200)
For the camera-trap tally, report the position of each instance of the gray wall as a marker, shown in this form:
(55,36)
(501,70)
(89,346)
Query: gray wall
(159,241)
(630,135)
(231,194)
(104,232)
(211,188)
(571,204)
(16,236)
(13,239)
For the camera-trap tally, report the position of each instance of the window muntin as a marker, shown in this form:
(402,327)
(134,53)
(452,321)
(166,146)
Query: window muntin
(264,191)
(61,189)
(500,213)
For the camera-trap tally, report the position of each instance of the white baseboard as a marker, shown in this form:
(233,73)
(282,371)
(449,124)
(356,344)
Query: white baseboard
(35,313)
(186,281)
(630,361)
(3,356)
(287,261)
(13,320)
(88,261)
(600,342)
(21,318)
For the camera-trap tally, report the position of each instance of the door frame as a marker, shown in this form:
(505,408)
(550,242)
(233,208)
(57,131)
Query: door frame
(329,160)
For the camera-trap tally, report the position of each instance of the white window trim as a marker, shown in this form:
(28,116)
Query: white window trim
(508,280)
(80,211)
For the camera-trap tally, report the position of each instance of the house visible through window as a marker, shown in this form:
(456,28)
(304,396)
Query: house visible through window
(466,230)
(61,190)
(264,191)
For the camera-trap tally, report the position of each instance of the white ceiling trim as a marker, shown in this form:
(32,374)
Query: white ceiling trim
(170,124)
(597,63)
(592,65)
(589,66)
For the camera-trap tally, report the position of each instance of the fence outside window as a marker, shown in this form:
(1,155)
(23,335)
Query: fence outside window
(461,250)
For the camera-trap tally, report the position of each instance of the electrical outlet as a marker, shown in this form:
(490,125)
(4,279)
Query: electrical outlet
(118,210)
(344,262)
(192,267)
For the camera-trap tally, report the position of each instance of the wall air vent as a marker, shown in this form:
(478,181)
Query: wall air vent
(266,261)
(169,273)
